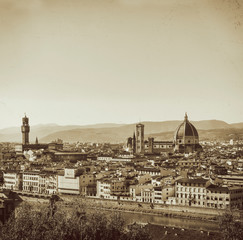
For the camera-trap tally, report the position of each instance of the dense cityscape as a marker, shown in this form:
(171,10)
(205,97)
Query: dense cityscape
(183,174)
(133,127)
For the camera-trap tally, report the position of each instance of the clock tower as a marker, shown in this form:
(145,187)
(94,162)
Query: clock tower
(25,129)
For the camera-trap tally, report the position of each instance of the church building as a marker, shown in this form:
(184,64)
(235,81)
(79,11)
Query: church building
(186,138)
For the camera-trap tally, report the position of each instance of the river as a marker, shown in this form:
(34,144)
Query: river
(194,224)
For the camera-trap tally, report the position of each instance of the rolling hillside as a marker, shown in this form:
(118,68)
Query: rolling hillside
(208,129)
(159,130)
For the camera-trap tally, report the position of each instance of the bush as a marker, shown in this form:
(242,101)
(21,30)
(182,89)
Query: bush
(47,222)
(230,226)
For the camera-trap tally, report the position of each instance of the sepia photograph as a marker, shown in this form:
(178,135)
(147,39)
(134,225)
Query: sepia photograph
(121,119)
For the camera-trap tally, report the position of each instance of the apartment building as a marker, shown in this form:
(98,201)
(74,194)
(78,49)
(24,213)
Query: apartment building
(12,180)
(224,197)
(200,193)
(48,183)
(31,181)
(151,171)
(88,185)
(104,189)
(119,186)
(191,192)
(141,193)
(69,182)
(158,195)
(168,191)
(147,194)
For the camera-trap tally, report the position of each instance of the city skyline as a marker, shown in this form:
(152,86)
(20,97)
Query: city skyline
(81,63)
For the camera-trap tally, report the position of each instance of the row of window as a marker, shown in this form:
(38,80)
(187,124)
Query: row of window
(162,146)
(87,176)
(89,181)
(151,173)
(9,177)
(9,182)
(188,141)
(186,202)
(189,196)
(33,189)
(217,205)
(218,192)
(189,164)
(236,191)
(216,198)
(31,183)
(185,189)
(31,178)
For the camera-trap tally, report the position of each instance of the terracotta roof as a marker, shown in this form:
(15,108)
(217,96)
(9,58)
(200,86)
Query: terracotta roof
(188,180)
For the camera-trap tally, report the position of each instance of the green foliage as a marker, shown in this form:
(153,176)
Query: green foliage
(42,223)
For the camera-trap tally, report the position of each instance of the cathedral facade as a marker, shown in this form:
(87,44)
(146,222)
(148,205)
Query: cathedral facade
(186,140)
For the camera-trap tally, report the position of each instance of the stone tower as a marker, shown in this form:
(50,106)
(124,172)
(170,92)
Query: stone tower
(25,129)
(140,138)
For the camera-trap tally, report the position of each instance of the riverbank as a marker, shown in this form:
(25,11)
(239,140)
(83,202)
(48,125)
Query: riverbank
(145,208)
(172,233)
(160,226)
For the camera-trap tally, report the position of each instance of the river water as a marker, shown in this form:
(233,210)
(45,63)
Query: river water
(170,221)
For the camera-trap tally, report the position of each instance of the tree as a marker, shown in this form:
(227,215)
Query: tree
(138,232)
(73,222)
(230,226)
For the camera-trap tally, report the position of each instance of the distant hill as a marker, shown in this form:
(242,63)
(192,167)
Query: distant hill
(13,134)
(204,135)
(161,130)
(237,125)
(109,132)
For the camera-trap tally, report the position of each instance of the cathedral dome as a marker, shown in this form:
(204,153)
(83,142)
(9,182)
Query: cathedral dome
(186,133)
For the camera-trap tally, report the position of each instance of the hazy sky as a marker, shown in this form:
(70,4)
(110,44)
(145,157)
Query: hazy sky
(84,62)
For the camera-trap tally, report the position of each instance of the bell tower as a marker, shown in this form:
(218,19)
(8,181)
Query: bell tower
(140,138)
(25,129)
